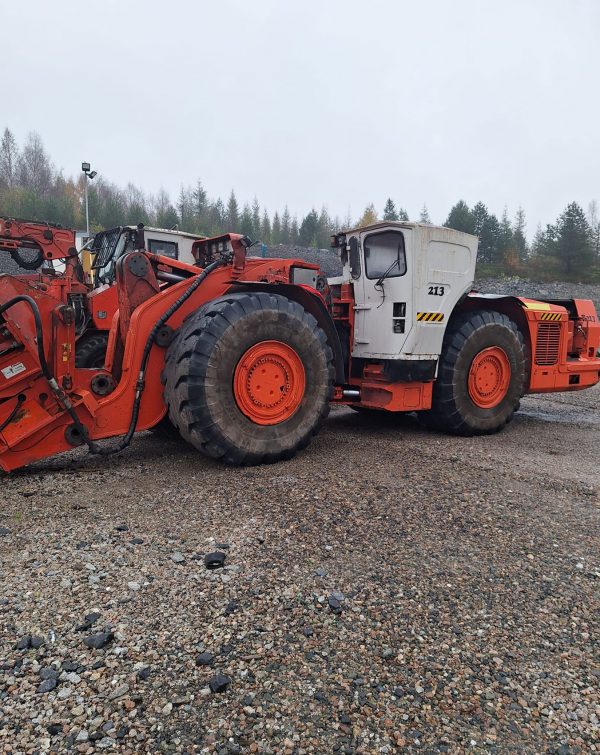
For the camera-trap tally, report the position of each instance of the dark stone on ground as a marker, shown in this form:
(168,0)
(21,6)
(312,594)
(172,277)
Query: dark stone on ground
(219,683)
(47,686)
(98,641)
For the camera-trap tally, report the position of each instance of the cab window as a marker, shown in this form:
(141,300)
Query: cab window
(164,248)
(385,255)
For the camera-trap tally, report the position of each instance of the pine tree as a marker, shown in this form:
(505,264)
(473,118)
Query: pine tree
(286,227)
(307,234)
(265,228)
(246,225)
(505,235)
(294,231)
(573,246)
(276,230)
(256,225)
(217,219)
(403,215)
(233,214)
(323,229)
(539,242)
(461,218)
(519,237)
(389,211)
(424,216)
(200,206)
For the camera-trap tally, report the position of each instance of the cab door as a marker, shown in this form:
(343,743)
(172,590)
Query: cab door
(383,294)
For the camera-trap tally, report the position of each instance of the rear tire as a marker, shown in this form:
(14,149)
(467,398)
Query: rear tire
(481,375)
(90,350)
(249,378)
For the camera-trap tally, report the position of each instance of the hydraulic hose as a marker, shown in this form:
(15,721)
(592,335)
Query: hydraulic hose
(13,414)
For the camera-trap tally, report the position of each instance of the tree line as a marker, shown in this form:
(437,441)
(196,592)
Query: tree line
(31,187)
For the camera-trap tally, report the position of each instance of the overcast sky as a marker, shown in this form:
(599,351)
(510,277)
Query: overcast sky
(312,102)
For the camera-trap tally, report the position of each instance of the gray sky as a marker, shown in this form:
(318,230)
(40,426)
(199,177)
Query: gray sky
(335,102)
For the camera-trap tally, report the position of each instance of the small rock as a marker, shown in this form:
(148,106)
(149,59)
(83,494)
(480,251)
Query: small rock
(48,673)
(181,700)
(215,560)
(178,558)
(37,642)
(121,690)
(334,604)
(204,659)
(98,641)
(24,643)
(4,531)
(54,729)
(106,742)
(166,710)
(78,710)
(219,683)
(136,541)
(47,686)
(144,673)
(307,631)
(135,586)
(121,528)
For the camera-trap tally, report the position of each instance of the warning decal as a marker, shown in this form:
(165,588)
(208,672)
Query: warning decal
(13,369)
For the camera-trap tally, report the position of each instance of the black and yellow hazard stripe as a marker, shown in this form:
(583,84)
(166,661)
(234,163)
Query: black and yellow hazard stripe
(430,317)
(552,316)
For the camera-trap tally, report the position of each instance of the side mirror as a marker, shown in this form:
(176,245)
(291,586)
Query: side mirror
(354,258)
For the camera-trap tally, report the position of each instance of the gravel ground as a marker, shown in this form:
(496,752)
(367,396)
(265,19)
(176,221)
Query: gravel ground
(390,589)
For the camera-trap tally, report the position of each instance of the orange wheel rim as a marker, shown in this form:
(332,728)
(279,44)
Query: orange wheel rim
(489,377)
(269,382)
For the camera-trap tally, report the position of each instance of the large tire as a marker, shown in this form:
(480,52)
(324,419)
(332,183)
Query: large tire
(481,375)
(90,350)
(214,370)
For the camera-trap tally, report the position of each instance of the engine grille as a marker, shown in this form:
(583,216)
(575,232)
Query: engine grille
(547,343)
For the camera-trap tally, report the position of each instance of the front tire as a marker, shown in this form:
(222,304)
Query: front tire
(249,378)
(481,375)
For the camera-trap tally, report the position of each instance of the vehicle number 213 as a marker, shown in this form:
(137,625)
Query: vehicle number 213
(436,290)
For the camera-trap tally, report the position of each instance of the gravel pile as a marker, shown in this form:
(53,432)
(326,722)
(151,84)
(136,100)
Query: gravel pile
(388,590)
(536,290)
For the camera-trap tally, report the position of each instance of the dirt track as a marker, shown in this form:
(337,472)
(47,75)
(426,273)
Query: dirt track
(468,571)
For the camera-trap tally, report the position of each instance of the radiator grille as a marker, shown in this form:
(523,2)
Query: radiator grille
(548,340)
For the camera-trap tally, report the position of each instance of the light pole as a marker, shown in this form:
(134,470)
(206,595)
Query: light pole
(89,176)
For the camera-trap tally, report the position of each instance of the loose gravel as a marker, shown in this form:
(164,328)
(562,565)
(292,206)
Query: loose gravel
(390,589)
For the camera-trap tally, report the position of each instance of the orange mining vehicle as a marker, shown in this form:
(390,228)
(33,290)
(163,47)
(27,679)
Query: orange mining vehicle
(243,356)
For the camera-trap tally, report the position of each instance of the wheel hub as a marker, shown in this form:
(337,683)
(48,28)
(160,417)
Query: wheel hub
(269,382)
(489,377)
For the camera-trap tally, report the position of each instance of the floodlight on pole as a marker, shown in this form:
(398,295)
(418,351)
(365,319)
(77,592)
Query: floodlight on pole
(89,176)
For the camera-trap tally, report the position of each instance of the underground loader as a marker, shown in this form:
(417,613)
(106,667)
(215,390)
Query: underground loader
(244,356)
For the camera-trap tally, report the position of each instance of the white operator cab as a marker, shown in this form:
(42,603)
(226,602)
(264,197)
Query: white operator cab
(407,279)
